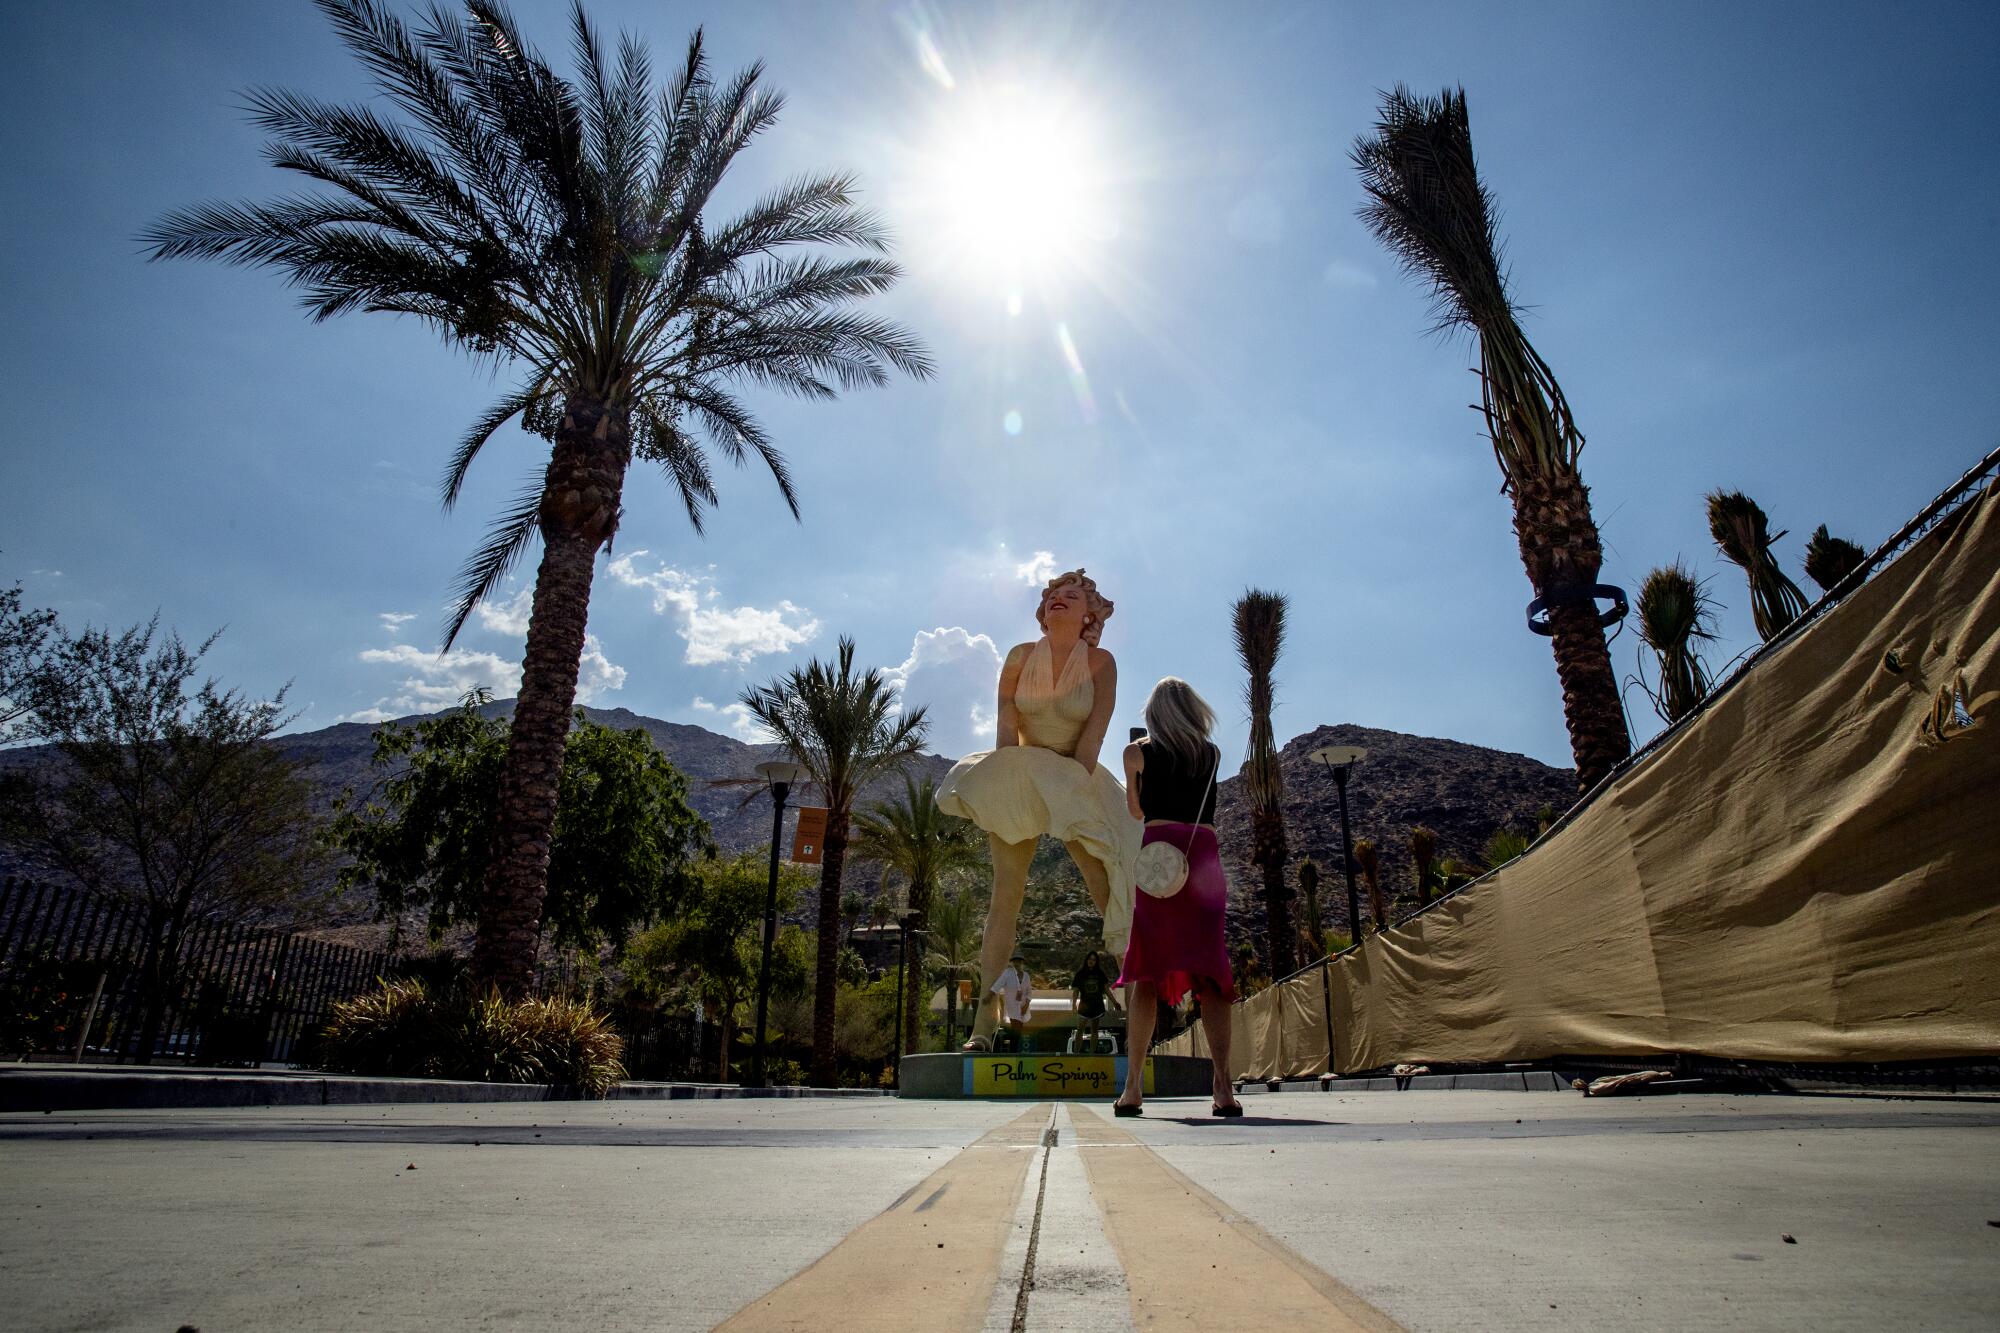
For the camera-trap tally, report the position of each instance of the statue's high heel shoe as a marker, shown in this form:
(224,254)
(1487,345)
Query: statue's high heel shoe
(977,1046)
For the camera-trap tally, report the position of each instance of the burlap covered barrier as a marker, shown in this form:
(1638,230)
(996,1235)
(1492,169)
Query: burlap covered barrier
(1809,871)
(1280,1032)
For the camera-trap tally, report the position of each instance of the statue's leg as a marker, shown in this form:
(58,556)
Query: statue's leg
(1003,914)
(1095,878)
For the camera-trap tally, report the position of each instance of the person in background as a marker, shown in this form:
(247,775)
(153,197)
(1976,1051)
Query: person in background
(1016,989)
(1089,990)
(1177,942)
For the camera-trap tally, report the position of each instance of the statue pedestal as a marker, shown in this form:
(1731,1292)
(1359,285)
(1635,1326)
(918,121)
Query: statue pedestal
(1047,1077)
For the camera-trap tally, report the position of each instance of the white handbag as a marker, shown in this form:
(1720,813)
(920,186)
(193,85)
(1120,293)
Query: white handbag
(1162,869)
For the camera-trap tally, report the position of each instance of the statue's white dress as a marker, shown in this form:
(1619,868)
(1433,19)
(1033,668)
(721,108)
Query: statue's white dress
(1023,791)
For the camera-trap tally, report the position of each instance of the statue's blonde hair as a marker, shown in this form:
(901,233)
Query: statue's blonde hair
(1097,607)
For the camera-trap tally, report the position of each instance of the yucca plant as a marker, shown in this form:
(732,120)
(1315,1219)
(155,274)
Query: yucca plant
(1369,862)
(561,227)
(1423,861)
(1830,559)
(845,728)
(1503,846)
(1427,205)
(409,1029)
(1675,612)
(1260,637)
(1743,535)
(1311,932)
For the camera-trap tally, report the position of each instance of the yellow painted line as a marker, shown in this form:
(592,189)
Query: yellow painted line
(927,1263)
(1192,1262)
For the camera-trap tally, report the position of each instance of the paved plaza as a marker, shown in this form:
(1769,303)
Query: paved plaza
(1424,1210)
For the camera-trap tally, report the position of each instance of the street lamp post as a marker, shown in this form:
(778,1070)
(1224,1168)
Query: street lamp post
(903,934)
(781,775)
(1340,761)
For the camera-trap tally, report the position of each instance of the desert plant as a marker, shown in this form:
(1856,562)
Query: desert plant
(1830,559)
(954,950)
(1312,931)
(1674,614)
(846,729)
(561,225)
(1369,862)
(405,1029)
(1427,205)
(1742,534)
(1260,637)
(1423,861)
(1503,846)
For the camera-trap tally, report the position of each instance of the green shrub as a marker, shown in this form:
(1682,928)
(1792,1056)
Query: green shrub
(405,1029)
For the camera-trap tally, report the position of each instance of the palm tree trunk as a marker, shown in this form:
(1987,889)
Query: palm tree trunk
(1267,836)
(1560,548)
(920,911)
(580,499)
(834,851)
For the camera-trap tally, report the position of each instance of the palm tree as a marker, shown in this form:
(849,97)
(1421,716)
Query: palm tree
(1369,863)
(954,938)
(1427,205)
(1674,612)
(845,730)
(1423,859)
(1830,559)
(1312,933)
(1260,637)
(1743,534)
(915,839)
(558,226)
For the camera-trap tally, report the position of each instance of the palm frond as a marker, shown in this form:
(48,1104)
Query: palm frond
(1676,612)
(1259,621)
(1830,559)
(1742,534)
(506,538)
(517,403)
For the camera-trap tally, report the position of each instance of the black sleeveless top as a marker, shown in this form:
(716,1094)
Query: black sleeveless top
(1166,791)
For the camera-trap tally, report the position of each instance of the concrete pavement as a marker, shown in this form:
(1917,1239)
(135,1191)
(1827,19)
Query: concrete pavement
(1430,1210)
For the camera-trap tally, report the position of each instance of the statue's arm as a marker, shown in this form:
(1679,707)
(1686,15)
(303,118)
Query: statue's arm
(1104,684)
(1135,765)
(1007,727)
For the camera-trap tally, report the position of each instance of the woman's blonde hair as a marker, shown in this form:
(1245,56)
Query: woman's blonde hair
(1097,607)
(1179,720)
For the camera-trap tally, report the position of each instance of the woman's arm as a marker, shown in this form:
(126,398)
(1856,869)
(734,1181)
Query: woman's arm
(1104,690)
(1007,726)
(1135,765)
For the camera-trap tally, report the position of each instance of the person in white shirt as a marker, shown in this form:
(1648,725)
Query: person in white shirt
(1015,989)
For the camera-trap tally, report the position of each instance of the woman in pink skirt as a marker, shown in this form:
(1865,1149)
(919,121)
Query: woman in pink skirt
(1177,943)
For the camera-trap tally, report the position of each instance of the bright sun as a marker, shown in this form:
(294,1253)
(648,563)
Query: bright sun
(1020,194)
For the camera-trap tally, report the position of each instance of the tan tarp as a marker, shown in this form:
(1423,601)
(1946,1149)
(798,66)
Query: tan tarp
(1810,871)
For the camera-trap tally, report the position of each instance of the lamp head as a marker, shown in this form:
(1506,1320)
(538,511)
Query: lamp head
(1338,756)
(780,772)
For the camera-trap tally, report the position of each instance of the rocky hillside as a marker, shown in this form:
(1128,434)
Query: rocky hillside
(1463,793)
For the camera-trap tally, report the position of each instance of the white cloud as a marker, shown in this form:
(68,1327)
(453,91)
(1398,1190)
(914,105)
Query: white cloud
(597,675)
(393,621)
(1343,273)
(715,633)
(1037,569)
(954,673)
(737,717)
(508,617)
(432,681)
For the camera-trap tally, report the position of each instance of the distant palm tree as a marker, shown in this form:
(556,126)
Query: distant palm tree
(1423,859)
(954,939)
(1830,559)
(852,908)
(1312,932)
(1369,862)
(1427,205)
(846,730)
(1743,534)
(1260,637)
(915,839)
(1674,613)
(558,225)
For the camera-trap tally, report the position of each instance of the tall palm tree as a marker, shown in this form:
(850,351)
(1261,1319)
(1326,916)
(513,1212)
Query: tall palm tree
(1743,534)
(1675,613)
(915,839)
(1830,559)
(1260,637)
(845,730)
(1312,932)
(1427,205)
(1423,862)
(954,953)
(559,227)
(1369,862)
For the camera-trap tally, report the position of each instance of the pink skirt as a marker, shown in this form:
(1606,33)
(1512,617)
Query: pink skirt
(1178,941)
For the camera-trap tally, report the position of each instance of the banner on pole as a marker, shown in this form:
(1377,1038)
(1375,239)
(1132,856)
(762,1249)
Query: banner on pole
(808,838)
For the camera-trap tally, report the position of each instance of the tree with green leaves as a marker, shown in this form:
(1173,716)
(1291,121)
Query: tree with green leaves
(165,795)
(955,923)
(1743,534)
(26,634)
(915,839)
(1427,205)
(712,947)
(845,728)
(624,843)
(1260,637)
(1675,613)
(562,226)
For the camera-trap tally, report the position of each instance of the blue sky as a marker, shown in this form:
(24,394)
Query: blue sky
(1757,244)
